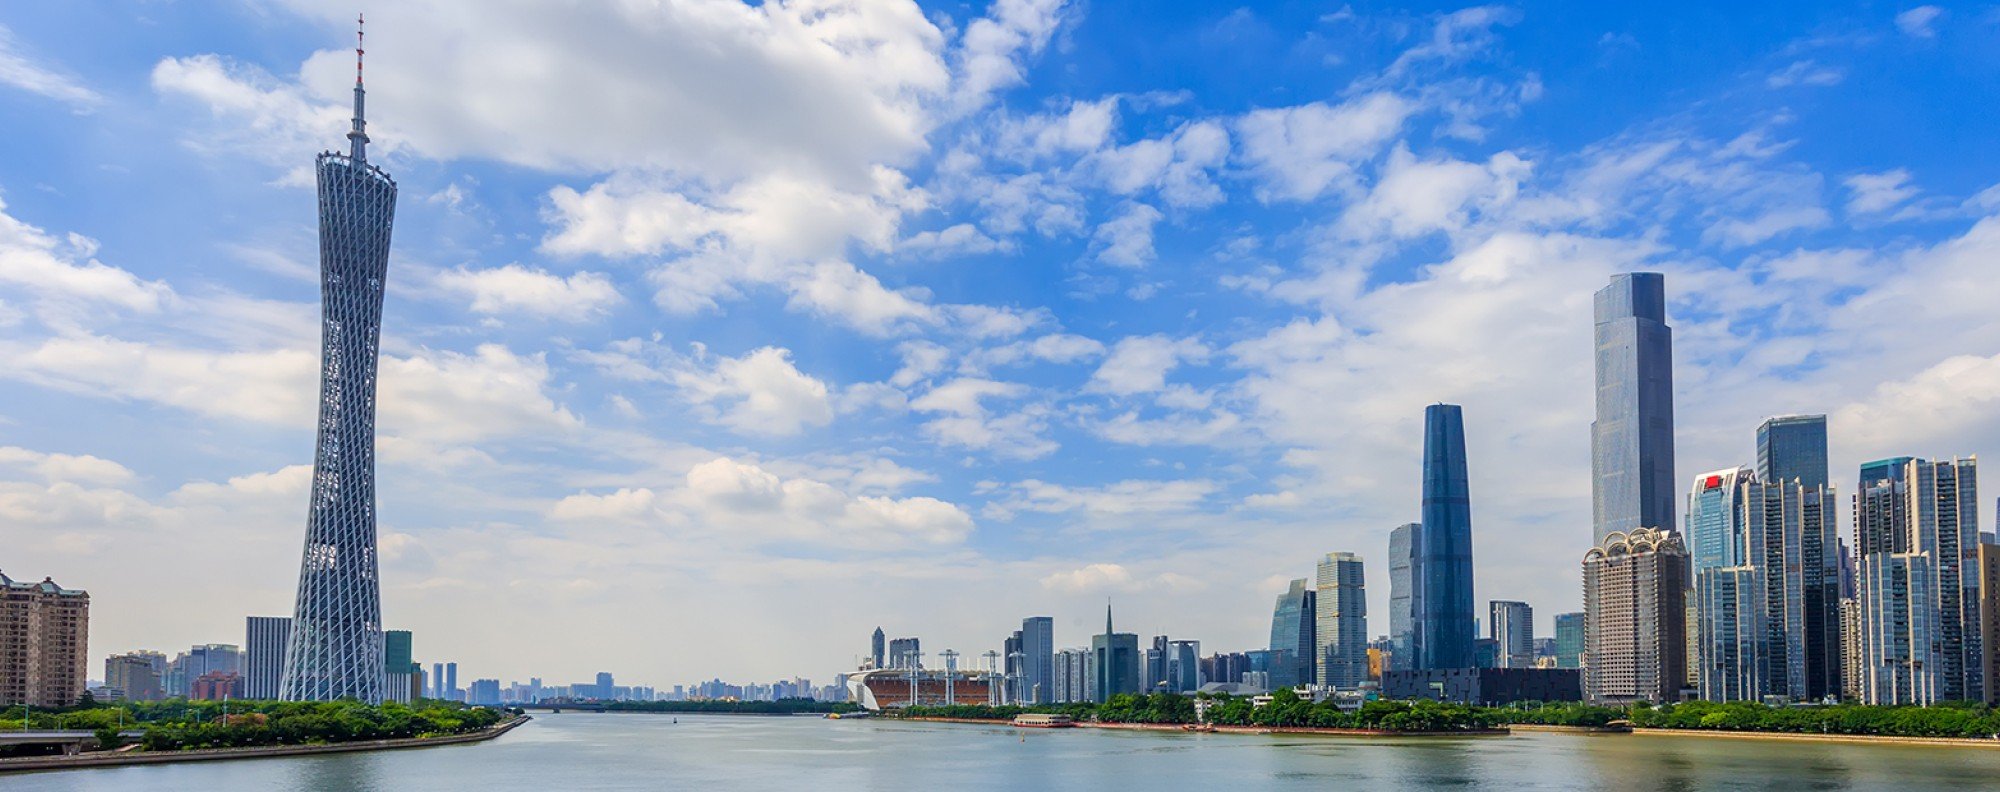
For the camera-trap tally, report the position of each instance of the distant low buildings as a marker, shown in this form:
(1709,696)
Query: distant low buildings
(1511,626)
(44,643)
(136,675)
(216,686)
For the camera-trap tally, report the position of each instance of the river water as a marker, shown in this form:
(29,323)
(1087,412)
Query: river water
(584,751)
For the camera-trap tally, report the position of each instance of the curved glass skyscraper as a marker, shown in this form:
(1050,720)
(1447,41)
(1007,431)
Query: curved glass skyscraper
(335,649)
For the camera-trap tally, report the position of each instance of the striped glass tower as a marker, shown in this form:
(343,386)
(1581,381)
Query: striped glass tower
(335,649)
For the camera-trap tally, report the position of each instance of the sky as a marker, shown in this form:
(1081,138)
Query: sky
(718,335)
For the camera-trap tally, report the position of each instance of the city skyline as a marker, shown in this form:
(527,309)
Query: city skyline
(1044,322)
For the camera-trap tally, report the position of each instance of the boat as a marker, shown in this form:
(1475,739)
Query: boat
(1037,720)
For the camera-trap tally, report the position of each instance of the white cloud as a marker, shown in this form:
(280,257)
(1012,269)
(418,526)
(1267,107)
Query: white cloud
(1415,197)
(966,421)
(961,239)
(1127,240)
(1457,36)
(1298,153)
(1920,22)
(1873,193)
(760,393)
(75,468)
(18,71)
(1805,72)
(1177,166)
(1119,499)
(63,275)
(518,289)
(1106,578)
(1931,413)
(1737,232)
(1140,364)
(991,56)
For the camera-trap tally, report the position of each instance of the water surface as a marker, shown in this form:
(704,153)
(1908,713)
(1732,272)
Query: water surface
(585,751)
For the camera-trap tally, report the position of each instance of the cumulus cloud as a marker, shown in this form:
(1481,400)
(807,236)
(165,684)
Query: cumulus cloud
(1297,153)
(1920,22)
(1873,193)
(1140,364)
(964,419)
(64,276)
(534,292)
(760,393)
(1127,240)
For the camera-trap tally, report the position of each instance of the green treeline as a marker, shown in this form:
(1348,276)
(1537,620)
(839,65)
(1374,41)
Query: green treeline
(178,724)
(790,706)
(1287,710)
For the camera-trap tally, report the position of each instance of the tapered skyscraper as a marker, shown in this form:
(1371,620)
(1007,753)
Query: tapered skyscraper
(335,650)
(1442,600)
(1632,440)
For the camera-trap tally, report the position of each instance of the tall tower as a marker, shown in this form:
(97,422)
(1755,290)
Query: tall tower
(335,648)
(1632,440)
(1442,599)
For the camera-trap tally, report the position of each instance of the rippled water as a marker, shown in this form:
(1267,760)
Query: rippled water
(626,751)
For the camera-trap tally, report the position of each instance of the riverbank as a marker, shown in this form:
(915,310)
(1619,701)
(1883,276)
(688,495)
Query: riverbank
(1219,729)
(1950,742)
(117,759)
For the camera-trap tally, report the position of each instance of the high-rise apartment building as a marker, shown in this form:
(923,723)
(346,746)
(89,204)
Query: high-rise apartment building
(1404,543)
(1075,676)
(1766,560)
(1293,643)
(1632,440)
(1511,625)
(1916,533)
(1635,612)
(264,639)
(44,643)
(1569,640)
(437,688)
(335,646)
(1989,613)
(1038,649)
(1442,597)
(136,675)
(1341,607)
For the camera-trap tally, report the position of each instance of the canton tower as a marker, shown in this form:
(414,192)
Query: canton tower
(335,649)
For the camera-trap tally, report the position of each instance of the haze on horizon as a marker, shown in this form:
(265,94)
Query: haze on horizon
(718,335)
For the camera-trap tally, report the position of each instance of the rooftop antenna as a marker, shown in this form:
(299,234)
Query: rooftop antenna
(358,136)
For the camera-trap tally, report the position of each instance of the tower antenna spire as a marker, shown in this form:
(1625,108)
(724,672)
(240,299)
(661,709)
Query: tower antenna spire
(358,136)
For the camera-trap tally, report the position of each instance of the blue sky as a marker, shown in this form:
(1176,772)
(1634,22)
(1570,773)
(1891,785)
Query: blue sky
(719,334)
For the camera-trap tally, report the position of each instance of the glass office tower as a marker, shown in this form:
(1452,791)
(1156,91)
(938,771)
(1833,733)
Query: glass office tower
(1292,635)
(1442,600)
(1793,447)
(1632,440)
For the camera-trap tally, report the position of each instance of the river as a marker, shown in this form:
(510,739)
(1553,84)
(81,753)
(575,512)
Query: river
(584,751)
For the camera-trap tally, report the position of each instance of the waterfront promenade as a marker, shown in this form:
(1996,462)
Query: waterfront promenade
(124,758)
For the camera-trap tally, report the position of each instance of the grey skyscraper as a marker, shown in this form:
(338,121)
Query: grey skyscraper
(335,649)
(1767,569)
(1511,625)
(1632,440)
(1404,543)
(1442,598)
(1038,648)
(451,690)
(437,681)
(1793,447)
(1293,622)
(1916,535)
(904,652)
(264,639)
(1342,612)
(876,645)
(1116,661)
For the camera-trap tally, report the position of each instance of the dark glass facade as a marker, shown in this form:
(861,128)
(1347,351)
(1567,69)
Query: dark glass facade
(1442,601)
(1793,447)
(1292,635)
(1404,542)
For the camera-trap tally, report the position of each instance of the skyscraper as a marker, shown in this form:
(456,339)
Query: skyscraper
(1916,531)
(904,652)
(335,648)
(1635,617)
(1293,622)
(1404,542)
(1569,640)
(1989,613)
(397,667)
(875,645)
(136,674)
(437,682)
(1341,608)
(1632,440)
(264,639)
(1116,662)
(1442,597)
(1793,447)
(1511,625)
(1038,648)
